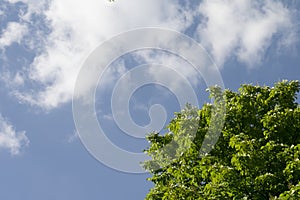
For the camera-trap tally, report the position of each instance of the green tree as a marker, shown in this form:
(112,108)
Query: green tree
(255,157)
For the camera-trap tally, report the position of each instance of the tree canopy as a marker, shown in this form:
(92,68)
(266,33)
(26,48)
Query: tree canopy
(256,155)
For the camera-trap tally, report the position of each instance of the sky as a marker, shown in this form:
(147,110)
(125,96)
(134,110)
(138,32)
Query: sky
(130,64)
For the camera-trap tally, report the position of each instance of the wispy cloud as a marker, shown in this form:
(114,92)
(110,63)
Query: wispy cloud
(77,28)
(108,117)
(73,137)
(14,32)
(241,29)
(10,139)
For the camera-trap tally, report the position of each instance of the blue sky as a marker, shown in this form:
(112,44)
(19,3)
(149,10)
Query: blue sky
(44,43)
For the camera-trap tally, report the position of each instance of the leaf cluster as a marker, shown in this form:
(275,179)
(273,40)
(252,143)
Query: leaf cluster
(257,155)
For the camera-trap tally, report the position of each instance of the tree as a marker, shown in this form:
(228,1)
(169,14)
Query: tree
(256,156)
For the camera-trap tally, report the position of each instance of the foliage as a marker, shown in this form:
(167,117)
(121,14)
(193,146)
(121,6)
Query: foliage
(256,156)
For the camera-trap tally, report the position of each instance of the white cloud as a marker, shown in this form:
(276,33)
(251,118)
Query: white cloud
(12,81)
(34,6)
(112,74)
(10,139)
(14,32)
(171,61)
(234,28)
(78,27)
(16,1)
(242,28)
